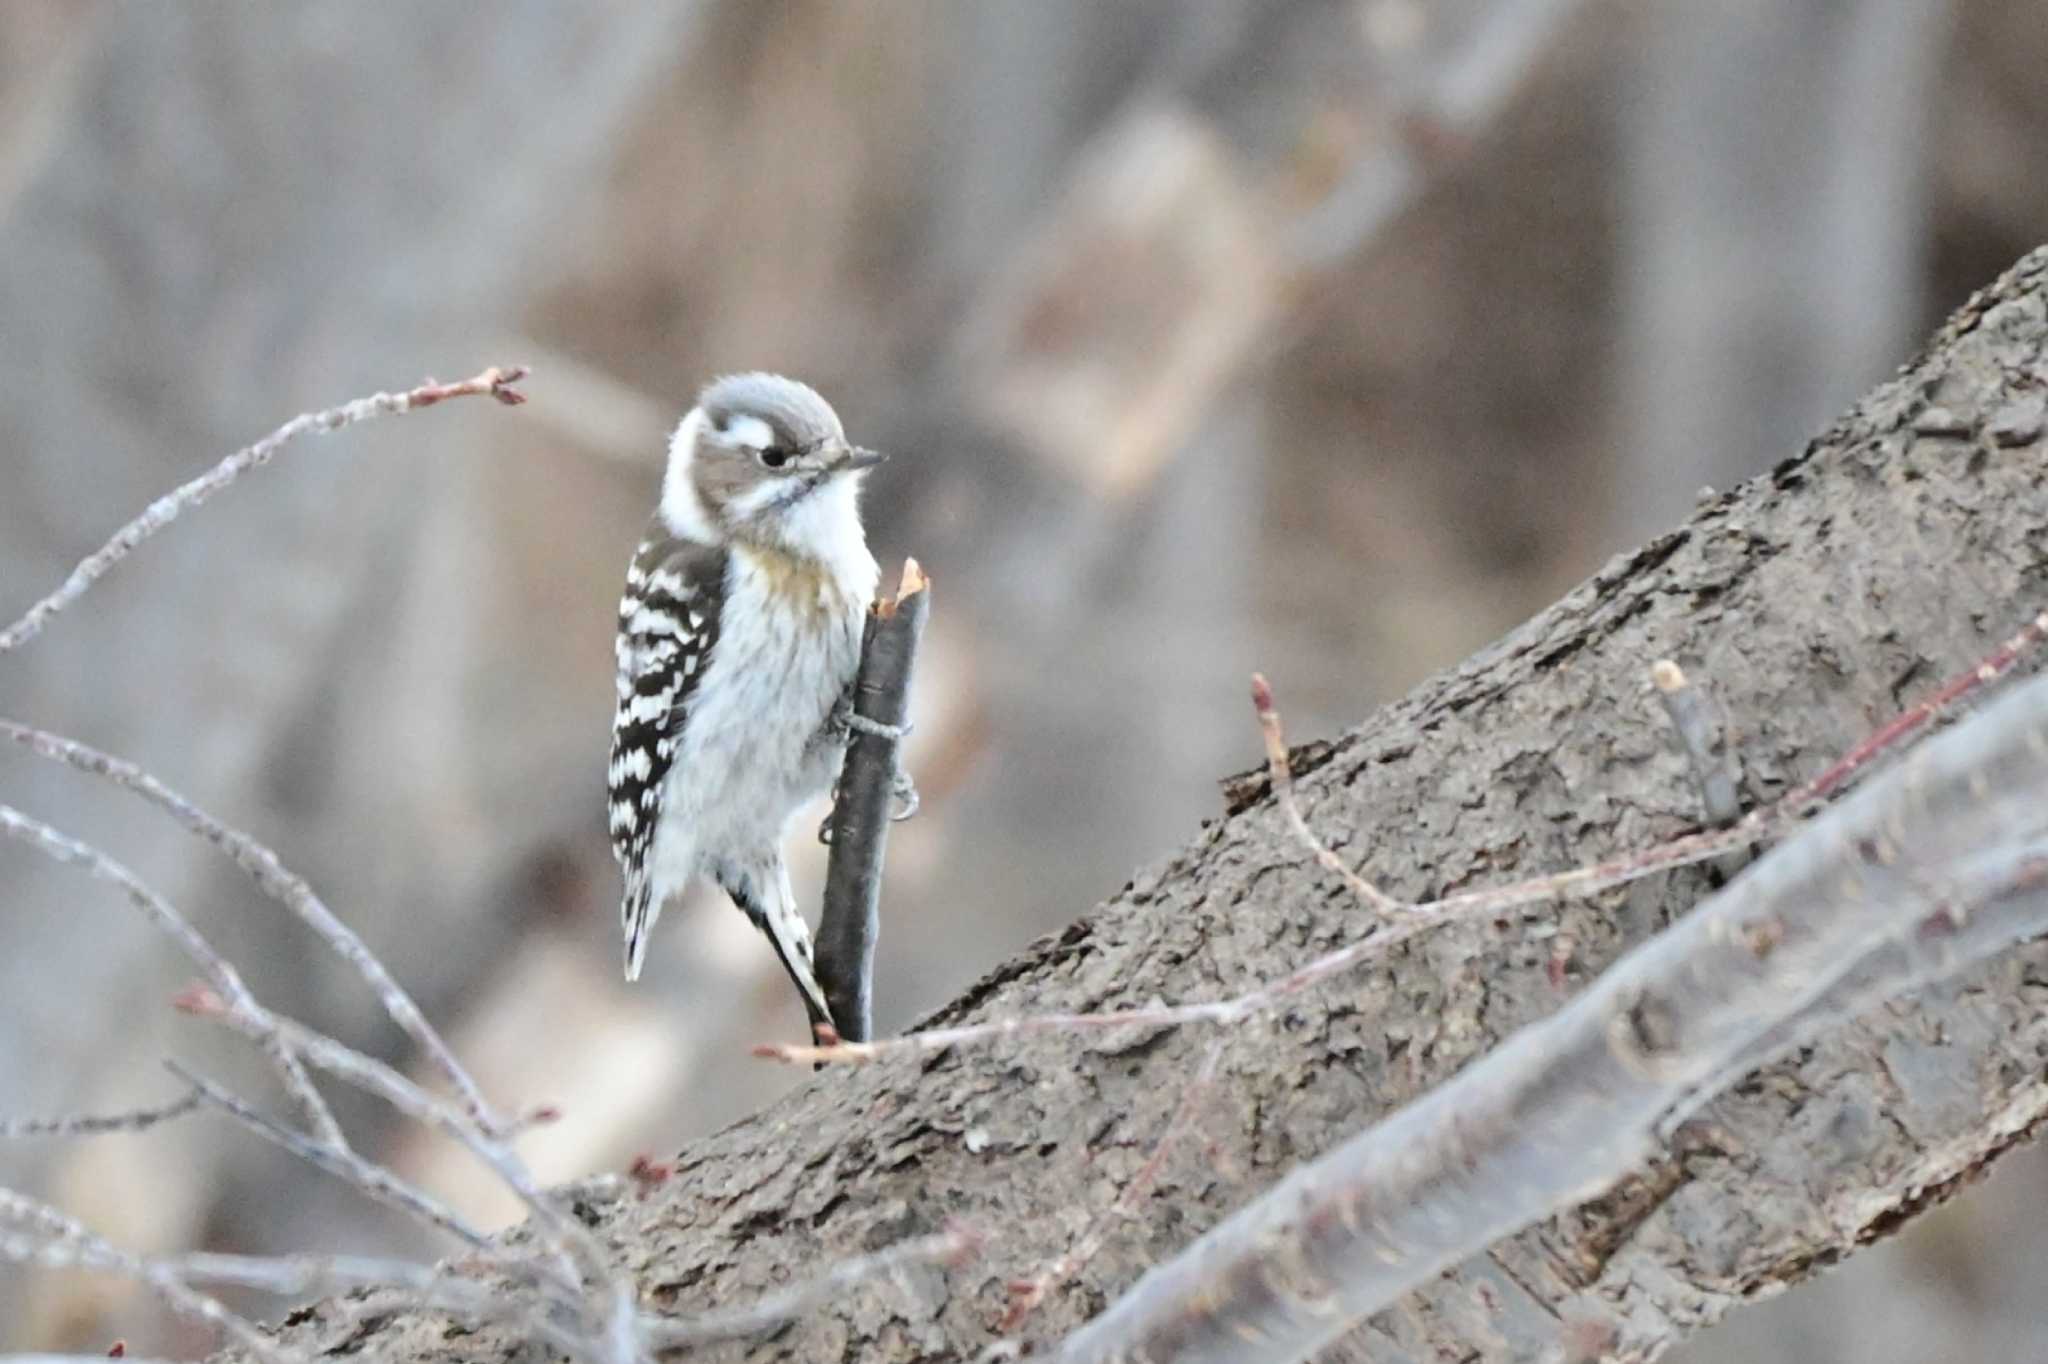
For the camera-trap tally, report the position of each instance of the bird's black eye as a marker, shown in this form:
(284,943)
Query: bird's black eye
(774,457)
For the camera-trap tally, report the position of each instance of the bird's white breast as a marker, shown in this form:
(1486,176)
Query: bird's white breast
(754,746)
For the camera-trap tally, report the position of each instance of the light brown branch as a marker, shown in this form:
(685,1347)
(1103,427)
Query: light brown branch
(491,383)
(98,1124)
(224,977)
(271,876)
(374,1180)
(55,1241)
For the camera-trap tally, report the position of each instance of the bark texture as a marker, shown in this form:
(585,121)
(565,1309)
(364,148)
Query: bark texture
(1811,602)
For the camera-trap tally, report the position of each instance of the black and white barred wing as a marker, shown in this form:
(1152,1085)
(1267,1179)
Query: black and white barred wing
(668,625)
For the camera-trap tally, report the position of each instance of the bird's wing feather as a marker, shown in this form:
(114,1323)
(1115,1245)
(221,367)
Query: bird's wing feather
(668,625)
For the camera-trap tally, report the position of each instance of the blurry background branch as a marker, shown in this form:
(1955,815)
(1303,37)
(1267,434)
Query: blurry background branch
(1794,594)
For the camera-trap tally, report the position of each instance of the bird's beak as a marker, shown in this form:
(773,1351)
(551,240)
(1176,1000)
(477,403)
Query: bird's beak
(857,458)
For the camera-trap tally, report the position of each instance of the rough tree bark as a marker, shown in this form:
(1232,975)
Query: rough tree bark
(1898,547)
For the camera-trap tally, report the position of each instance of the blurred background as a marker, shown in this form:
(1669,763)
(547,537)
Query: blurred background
(1324,337)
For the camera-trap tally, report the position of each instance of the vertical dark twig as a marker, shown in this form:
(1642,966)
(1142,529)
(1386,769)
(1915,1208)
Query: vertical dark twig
(1704,740)
(860,819)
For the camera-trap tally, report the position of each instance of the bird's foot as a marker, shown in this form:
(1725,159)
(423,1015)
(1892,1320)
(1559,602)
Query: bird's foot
(902,790)
(850,722)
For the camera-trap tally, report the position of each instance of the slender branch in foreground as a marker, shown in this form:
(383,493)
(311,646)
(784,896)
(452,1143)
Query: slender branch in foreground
(374,1180)
(79,1359)
(1408,921)
(852,917)
(98,1124)
(55,1241)
(563,1233)
(289,889)
(218,970)
(495,383)
(1935,865)
(399,1284)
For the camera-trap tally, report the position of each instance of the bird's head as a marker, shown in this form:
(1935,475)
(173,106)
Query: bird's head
(762,459)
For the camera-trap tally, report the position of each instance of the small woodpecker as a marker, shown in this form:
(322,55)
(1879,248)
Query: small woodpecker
(739,638)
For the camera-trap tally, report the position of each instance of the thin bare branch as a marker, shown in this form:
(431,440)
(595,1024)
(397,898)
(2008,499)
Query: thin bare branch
(98,1124)
(492,383)
(1933,866)
(76,1359)
(399,1285)
(63,848)
(1281,773)
(271,876)
(374,1180)
(55,1241)
(563,1233)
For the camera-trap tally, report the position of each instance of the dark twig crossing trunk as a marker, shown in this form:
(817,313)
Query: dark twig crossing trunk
(851,920)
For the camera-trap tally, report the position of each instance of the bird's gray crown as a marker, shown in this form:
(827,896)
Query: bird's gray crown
(799,418)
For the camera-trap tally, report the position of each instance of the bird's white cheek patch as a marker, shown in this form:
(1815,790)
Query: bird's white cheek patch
(759,498)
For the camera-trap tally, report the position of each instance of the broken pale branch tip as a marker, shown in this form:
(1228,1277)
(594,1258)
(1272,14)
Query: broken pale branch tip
(912,582)
(1701,737)
(495,382)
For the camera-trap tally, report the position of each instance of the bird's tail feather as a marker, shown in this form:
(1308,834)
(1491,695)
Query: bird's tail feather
(637,912)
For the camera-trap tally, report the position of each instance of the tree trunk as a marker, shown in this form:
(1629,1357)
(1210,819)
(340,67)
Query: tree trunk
(1901,545)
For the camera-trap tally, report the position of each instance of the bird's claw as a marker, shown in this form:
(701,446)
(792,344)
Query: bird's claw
(901,789)
(904,791)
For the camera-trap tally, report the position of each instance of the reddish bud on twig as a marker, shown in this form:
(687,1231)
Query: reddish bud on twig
(648,1172)
(117,1349)
(200,1002)
(1262,695)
